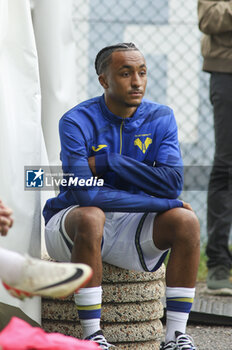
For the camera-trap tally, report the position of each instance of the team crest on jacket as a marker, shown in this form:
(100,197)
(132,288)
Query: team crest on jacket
(143,146)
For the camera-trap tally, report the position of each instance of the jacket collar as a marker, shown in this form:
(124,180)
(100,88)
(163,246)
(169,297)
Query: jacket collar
(116,119)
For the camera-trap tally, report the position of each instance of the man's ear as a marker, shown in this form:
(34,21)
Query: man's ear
(103,81)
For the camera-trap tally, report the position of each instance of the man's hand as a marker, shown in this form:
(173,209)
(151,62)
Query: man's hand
(6,220)
(92,165)
(187,206)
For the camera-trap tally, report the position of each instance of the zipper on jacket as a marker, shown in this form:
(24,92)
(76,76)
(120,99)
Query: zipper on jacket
(121,127)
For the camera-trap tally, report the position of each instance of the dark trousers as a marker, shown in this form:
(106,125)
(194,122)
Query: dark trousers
(219,213)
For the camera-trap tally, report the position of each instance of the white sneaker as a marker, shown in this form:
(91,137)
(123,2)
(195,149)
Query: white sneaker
(47,278)
(99,338)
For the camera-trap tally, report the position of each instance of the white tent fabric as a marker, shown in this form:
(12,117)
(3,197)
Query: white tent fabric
(52,21)
(37,59)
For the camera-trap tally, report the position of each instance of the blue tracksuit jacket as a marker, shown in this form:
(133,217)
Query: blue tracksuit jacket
(138,158)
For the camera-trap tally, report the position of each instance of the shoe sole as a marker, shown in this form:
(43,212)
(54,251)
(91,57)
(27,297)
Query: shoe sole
(57,291)
(221,291)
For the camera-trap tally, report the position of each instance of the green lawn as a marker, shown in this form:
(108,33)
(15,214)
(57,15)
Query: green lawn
(202,271)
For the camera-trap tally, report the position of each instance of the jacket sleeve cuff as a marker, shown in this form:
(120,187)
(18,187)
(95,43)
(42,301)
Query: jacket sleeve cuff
(175,203)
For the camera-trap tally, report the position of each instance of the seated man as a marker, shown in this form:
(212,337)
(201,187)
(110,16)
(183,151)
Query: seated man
(134,218)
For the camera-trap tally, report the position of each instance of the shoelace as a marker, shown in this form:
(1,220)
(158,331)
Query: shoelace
(169,346)
(185,342)
(101,340)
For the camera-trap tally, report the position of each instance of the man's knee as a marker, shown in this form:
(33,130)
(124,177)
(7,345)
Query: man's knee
(186,226)
(88,217)
(176,225)
(85,223)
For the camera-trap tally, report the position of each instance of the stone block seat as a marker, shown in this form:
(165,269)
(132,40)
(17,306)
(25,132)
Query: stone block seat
(131,309)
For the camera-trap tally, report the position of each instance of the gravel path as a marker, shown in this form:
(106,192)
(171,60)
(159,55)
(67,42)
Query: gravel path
(211,337)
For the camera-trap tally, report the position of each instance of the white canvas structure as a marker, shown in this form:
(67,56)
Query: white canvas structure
(37,85)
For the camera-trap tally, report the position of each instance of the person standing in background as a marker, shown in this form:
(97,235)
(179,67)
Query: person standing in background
(215,21)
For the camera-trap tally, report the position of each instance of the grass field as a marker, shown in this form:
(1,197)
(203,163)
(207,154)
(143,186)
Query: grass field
(202,271)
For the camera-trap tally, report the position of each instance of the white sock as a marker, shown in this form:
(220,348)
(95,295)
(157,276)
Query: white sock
(90,326)
(179,301)
(11,266)
(175,321)
(88,301)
